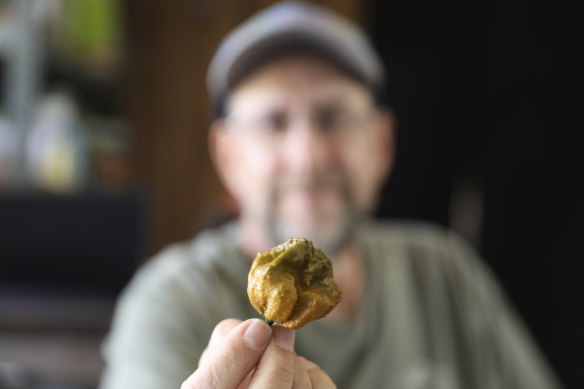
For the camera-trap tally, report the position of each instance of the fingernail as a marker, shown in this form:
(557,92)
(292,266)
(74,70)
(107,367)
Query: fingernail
(285,338)
(257,334)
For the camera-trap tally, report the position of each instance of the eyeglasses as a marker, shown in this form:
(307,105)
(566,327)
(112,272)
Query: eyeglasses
(332,122)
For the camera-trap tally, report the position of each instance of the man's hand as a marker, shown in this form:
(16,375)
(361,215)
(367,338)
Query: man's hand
(252,354)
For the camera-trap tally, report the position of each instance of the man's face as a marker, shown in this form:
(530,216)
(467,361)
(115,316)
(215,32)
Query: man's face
(303,150)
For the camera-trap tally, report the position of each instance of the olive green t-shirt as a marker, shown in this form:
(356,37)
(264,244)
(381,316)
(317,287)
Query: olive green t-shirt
(432,317)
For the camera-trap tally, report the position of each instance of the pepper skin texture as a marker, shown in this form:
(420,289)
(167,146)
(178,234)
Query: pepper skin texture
(292,284)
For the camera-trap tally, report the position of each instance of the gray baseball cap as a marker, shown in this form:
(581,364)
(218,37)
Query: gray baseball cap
(292,26)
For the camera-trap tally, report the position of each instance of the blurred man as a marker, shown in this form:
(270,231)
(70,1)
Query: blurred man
(303,139)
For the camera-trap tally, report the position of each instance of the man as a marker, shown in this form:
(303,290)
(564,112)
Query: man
(303,140)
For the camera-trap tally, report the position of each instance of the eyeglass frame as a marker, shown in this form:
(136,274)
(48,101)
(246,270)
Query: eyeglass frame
(273,125)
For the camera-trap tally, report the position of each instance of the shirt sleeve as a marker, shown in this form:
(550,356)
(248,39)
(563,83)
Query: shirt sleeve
(510,357)
(158,333)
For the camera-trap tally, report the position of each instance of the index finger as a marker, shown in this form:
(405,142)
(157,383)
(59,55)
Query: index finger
(277,366)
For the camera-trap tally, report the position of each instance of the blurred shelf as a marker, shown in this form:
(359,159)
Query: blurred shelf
(55,360)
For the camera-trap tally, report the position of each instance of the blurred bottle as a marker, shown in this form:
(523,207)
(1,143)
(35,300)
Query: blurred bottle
(57,155)
(89,34)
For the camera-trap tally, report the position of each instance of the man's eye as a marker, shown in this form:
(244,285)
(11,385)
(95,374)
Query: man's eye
(274,123)
(329,120)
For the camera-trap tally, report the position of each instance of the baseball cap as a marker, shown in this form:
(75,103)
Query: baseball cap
(287,27)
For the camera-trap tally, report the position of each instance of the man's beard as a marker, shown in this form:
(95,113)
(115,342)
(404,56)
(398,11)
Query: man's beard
(330,236)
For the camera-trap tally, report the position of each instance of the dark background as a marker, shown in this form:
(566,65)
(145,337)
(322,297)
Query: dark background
(489,98)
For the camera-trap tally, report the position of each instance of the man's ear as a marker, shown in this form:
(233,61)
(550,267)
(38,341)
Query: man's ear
(387,128)
(220,150)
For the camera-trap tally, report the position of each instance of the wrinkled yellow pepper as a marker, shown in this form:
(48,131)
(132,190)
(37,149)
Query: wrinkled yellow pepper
(292,284)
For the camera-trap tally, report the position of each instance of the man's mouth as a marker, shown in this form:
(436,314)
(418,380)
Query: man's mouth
(310,192)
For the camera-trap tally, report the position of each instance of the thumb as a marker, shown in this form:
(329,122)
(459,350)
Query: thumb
(277,366)
(228,363)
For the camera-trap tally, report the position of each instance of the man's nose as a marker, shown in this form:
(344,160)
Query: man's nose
(306,149)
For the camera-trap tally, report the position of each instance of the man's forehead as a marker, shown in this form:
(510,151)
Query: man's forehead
(297,77)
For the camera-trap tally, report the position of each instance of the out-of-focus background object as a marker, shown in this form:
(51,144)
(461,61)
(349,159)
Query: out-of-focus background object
(74,221)
(61,64)
(103,156)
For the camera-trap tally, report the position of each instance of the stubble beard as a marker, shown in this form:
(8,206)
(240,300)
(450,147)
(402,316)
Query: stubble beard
(331,236)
